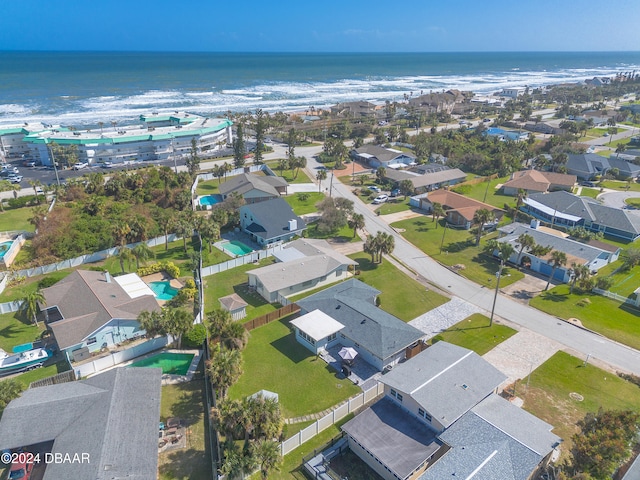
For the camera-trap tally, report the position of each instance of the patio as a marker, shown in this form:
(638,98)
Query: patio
(362,374)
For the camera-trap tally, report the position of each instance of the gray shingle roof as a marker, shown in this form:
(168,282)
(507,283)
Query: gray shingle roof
(586,164)
(495,440)
(112,416)
(245,182)
(446,380)
(398,440)
(352,304)
(87,302)
(272,218)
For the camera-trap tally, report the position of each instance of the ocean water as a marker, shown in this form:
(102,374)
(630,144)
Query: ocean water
(82,88)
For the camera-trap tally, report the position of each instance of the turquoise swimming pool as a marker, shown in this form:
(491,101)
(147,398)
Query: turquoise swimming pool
(236,247)
(4,247)
(171,363)
(163,290)
(209,200)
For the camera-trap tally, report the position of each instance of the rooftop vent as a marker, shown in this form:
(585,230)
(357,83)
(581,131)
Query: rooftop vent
(465,386)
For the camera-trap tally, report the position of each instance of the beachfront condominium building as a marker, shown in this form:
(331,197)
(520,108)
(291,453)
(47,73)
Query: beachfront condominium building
(11,145)
(157,137)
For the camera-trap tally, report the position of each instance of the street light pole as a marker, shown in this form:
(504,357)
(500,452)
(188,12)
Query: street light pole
(55,168)
(445,231)
(495,296)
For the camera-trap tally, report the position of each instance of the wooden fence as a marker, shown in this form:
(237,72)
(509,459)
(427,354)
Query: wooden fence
(271,316)
(64,377)
(476,181)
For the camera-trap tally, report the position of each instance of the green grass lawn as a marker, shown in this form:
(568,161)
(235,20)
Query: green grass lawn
(302,207)
(16,330)
(621,185)
(612,319)
(345,234)
(589,192)
(393,206)
(31,284)
(186,401)
(397,288)
(624,282)
(16,219)
(488,195)
(633,202)
(209,187)
(475,334)
(275,361)
(56,365)
(302,177)
(235,280)
(551,383)
(458,249)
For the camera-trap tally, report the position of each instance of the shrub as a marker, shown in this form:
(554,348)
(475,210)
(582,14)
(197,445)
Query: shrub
(169,267)
(462,189)
(47,282)
(195,337)
(20,202)
(189,283)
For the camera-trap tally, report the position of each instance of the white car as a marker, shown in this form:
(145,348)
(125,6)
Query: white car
(380,199)
(80,165)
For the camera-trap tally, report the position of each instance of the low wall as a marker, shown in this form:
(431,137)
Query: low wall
(116,358)
(243,260)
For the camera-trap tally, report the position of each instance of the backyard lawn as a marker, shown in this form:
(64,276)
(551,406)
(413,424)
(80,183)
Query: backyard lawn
(235,280)
(589,192)
(620,185)
(31,284)
(302,207)
(16,219)
(551,384)
(275,361)
(209,187)
(54,366)
(612,319)
(458,249)
(186,401)
(486,192)
(345,234)
(475,334)
(397,288)
(15,330)
(302,177)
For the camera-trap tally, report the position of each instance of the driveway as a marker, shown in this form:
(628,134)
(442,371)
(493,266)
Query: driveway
(525,289)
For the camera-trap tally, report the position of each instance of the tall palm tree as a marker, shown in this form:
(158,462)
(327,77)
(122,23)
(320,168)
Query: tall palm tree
(177,322)
(525,242)
(266,453)
(143,254)
(356,222)
(35,184)
(481,217)
(5,186)
(30,304)
(387,245)
(320,176)
(209,231)
(224,369)
(437,211)
(557,259)
(125,255)
(579,272)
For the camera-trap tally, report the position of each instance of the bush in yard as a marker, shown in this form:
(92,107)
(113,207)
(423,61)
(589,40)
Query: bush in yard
(196,336)
(169,267)
(48,282)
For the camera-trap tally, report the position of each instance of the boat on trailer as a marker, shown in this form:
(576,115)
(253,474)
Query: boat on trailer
(22,361)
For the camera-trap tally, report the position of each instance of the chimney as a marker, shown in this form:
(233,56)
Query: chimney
(293,225)
(107,277)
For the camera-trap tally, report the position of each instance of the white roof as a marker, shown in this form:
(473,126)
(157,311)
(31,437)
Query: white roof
(551,211)
(133,285)
(317,324)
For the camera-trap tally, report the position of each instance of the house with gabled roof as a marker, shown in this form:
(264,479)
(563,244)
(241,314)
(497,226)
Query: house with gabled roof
(568,210)
(459,209)
(94,310)
(380,338)
(535,181)
(254,188)
(428,179)
(109,420)
(270,221)
(375,156)
(305,263)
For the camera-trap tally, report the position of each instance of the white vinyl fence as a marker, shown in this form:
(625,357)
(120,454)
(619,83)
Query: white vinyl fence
(336,414)
(243,260)
(615,296)
(116,358)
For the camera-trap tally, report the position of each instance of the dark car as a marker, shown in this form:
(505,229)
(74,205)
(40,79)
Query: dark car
(395,192)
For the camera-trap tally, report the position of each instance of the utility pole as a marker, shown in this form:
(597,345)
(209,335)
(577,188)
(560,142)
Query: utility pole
(495,296)
(55,167)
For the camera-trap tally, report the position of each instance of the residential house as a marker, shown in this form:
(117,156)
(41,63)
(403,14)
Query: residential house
(317,331)
(512,92)
(495,439)
(356,109)
(568,210)
(535,181)
(577,253)
(303,264)
(379,338)
(270,221)
(254,188)
(426,180)
(629,156)
(459,209)
(588,166)
(598,81)
(108,423)
(440,418)
(375,156)
(439,102)
(504,135)
(542,127)
(94,310)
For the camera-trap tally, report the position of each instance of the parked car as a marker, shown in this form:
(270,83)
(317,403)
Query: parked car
(20,471)
(106,165)
(15,178)
(395,192)
(80,165)
(374,188)
(588,184)
(380,199)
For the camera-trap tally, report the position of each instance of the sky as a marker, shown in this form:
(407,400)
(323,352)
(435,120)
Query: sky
(326,26)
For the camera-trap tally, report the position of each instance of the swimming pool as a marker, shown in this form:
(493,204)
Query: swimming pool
(163,290)
(209,200)
(170,363)
(236,247)
(4,247)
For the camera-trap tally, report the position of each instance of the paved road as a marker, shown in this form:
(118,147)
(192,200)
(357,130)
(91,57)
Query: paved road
(617,199)
(572,337)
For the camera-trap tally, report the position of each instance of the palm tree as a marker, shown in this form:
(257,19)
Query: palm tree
(177,322)
(320,176)
(120,231)
(35,184)
(369,247)
(266,453)
(387,245)
(283,164)
(5,186)
(30,304)
(356,222)
(224,369)
(526,242)
(151,322)
(437,211)
(481,217)
(125,255)
(557,259)
(209,231)
(143,253)
(579,272)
